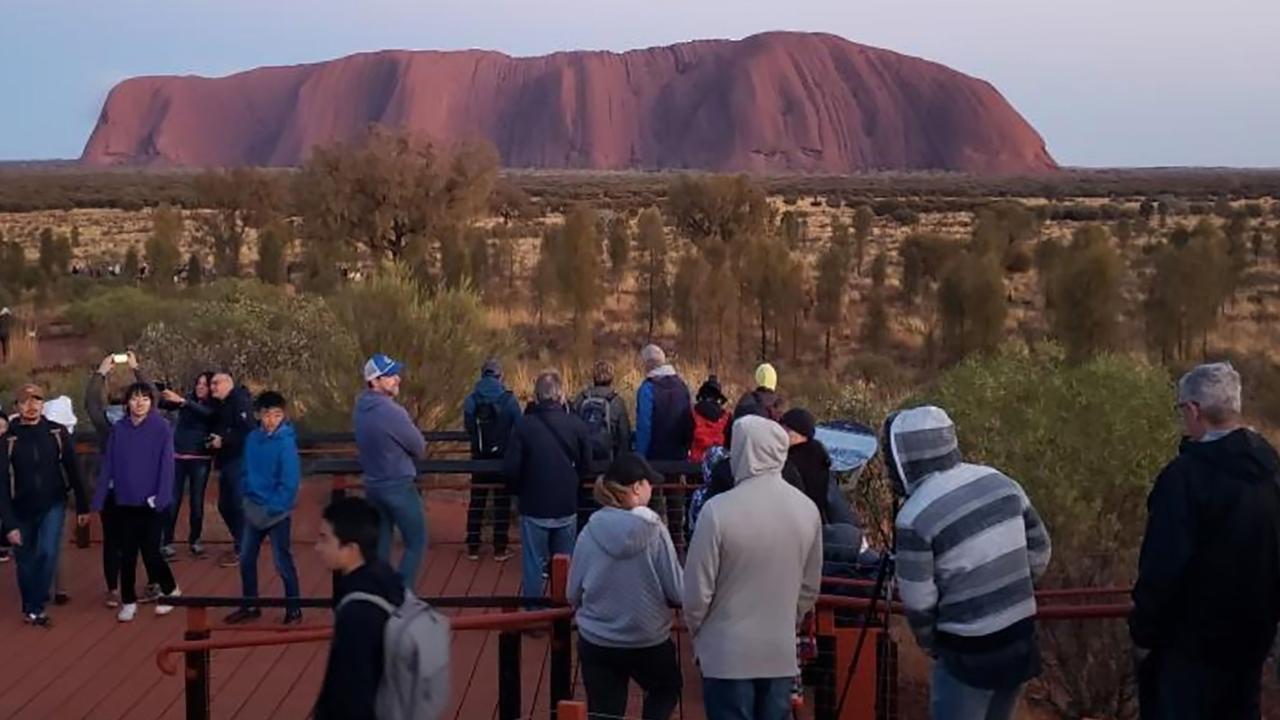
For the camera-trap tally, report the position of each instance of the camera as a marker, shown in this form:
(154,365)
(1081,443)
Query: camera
(120,358)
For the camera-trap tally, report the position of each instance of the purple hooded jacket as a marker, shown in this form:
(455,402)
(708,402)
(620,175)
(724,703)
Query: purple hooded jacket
(137,464)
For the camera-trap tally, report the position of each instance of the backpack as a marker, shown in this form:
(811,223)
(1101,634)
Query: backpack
(415,658)
(491,436)
(594,411)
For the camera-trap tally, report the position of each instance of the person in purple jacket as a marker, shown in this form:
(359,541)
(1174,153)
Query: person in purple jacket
(135,489)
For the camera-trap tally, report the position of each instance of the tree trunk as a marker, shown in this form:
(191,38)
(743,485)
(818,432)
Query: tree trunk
(826,362)
(764,335)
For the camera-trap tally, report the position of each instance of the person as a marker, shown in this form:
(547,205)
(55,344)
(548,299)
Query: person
(1208,591)
(547,459)
(664,425)
(60,411)
(605,413)
(387,443)
(969,547)
(764,399)
(755,562)
(133,494)
(105,407)
(807,458)
(709,419)
(37,466)
(489,414)
(272,475)
(6,325)
(232,423)
(348,544)
(193,460)
(623,580)
(6,550)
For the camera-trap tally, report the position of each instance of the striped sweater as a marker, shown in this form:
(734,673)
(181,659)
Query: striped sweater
(969,543)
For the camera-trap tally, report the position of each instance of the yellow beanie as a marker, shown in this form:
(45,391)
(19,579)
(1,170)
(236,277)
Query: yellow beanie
(766,376)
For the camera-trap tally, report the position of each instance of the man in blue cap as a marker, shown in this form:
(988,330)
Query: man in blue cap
(388,442)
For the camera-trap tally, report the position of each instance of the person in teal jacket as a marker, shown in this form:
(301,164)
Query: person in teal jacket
(272,473)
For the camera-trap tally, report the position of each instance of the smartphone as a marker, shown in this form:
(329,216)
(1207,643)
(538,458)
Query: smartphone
(120,358)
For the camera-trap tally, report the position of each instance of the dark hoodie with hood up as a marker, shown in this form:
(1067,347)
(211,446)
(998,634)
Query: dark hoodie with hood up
(356,656)
(1209,574)
(624,578)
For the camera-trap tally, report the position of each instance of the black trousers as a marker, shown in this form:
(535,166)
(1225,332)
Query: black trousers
(501,512)
(139,530)
(1177,686)
(607,672)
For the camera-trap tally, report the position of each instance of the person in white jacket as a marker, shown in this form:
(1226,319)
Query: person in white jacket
(755,562)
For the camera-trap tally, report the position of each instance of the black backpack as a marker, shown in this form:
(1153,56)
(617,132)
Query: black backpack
(492,429)
(596,413)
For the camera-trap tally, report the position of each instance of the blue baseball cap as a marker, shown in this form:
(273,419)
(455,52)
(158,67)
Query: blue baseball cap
(381,365)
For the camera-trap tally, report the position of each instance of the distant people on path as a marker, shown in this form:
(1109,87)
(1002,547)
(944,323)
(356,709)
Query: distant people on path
(1208,592)
(969,548)
(272,475)
(489,414)
(664,426)
(354,687)
(6,326)
(709,419)
(133,494)
(37,466)
(194,460)
(755,562)
(604,412)
(105,406)
(231,425)
(546,462)
(388,443)
(624,578)
(764,399)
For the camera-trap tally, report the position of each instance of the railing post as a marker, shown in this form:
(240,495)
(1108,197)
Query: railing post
(197,665)
(571,710)
(824,669)
(337,491)
(561,637)
(509,702)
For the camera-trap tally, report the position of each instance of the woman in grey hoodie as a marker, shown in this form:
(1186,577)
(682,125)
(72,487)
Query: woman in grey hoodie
(624,579)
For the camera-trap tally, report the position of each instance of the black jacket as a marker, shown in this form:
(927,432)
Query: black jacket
(39,471)
(95,404)
(355,657)
(195,422)
(233,422)
(1209,573)
(810,464)
(547,459)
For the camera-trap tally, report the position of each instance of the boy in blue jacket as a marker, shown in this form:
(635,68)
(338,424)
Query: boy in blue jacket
(272,473)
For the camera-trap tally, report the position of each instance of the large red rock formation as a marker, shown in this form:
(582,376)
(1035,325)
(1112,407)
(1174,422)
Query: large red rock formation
(777,102)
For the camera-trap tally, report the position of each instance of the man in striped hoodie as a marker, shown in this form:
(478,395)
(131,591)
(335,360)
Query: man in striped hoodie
(969,546)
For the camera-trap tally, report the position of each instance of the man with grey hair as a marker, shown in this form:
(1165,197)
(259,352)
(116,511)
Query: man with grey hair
(547,457)
(1207,598)
(664,425)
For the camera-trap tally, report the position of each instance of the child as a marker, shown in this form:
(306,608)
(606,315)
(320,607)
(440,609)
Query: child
(272,473)
(709,419)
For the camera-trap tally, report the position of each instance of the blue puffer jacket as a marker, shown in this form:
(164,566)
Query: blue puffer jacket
(272,470)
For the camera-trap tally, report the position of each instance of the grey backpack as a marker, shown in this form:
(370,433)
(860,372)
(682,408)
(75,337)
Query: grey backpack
(415,670)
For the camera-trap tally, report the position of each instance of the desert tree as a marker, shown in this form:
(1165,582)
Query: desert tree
(652,267)
(163,246)
(793,229)
(274,241)
(879,270)
(619,239)
(579,269)
(971,304)
(875,328)
(718,213)
(195,270)
(131,268)
(1086,305)
(238,200)
(833,270)
(688,292)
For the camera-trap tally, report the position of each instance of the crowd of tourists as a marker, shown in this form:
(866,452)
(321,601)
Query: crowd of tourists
(746,547)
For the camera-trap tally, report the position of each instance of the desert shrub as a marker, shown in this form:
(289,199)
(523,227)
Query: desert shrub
(1085,442)
(114,318)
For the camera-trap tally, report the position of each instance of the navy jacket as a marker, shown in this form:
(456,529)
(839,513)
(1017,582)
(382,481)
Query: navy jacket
(233,423)
(490,389)
(548,457)
(664,416)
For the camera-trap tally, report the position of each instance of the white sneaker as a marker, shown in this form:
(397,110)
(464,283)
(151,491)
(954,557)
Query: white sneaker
(161,608)
(128,612)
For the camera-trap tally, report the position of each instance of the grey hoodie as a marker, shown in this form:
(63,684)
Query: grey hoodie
(755,564)
(624,578)
(387,441)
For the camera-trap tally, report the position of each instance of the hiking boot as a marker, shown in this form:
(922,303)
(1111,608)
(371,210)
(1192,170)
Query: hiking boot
(502,555)
(292,617)
(244,615)
(228,559)
(150,594)
(163,608)
(473,554)
(61,597)
(128,612)
(112,600)
(168,553)
(42,621)
(197,549)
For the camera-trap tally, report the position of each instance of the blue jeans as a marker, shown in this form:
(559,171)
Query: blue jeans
(758,699)
(230,499)
(249,548)
(537,544)
(950,699)
(37,557)
(400,505)
(193,475)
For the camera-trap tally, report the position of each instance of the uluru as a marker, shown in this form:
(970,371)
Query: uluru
(770,103)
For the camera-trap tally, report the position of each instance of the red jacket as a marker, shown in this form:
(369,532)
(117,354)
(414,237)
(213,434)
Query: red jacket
(707,432)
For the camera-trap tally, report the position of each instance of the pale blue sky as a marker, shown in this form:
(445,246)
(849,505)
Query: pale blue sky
(1107,82)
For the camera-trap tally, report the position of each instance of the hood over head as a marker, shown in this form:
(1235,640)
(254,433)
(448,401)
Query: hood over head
(919,442)
(625,533)
(759,448)
(490,387)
